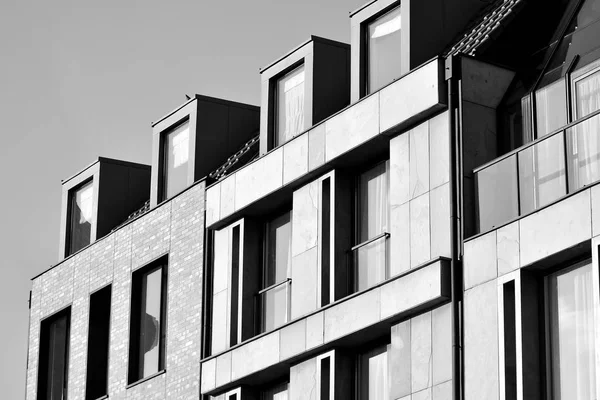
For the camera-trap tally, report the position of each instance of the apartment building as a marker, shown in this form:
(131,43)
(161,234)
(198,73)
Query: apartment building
(411,216)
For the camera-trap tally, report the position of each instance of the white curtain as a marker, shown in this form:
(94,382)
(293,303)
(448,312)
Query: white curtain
(572,334)
(374,383)
(551,110)
(290,99)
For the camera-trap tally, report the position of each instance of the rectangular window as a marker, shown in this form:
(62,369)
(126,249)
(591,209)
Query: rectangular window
(278,252)
(383,44)
(98,342)
(571,328)
(325,375)
(510,349)
(148,309)
(587,94)
(275,392)
(235,279)
(54,356)
(289,100)
(175,154)
(551,108)
(325,242)
(370,255)
(81,217)
(373,374)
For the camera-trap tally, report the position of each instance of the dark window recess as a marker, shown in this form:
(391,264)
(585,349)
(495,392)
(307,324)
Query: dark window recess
(233,397)
(148,312)
(80,217)
(54,356)
(325,378)
(325,240)
(510,346)
(98,341)
(235,278)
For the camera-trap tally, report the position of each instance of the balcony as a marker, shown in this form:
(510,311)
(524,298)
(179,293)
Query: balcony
(274,304)
(538,173)
(370,262)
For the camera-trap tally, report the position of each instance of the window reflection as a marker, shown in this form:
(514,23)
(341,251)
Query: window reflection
(54,357)
(383,50)
(81,217)
(551,108)
(175,160)
(290,106)
(373,371)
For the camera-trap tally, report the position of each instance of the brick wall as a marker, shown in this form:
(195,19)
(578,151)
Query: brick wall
(176,228)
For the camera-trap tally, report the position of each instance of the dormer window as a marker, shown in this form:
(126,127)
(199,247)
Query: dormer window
(383,50)
(176,151)
(290,106)
(81,217)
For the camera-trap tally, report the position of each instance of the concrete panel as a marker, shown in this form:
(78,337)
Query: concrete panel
(442,343)
(255,355)
(508,248)
(479,136)
(422,395)
(304,283)
(213,204)
(556,228)
(443,391)
(595,210)
(352,315)
(305,217)
(421,352)
(480,260)
(439,160)
(303,381)
(227,196)
(314,330)
(316,147)
(399,239)
(412,290)
(219,325)
(399,170)
(293,340)
(223,371)
(484,83)
(420,235)
(258,179)
(399,367)
(410,95)
(481,342)
(352,127)
(209,375)
(439,201)
(295,158)
(419,160)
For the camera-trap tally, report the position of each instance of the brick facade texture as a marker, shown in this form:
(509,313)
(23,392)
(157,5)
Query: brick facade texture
(175,228)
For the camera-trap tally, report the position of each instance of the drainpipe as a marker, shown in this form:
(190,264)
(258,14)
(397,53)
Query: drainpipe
(452,68)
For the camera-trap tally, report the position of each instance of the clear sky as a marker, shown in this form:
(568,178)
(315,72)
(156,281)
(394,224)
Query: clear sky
(82,79)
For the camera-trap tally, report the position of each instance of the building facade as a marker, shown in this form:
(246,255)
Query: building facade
(413,216)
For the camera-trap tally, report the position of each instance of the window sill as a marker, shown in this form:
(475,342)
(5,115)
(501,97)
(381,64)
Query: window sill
(145,379)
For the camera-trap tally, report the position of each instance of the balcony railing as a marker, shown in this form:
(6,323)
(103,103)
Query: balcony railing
(274,303)
(369,262)
(538,173)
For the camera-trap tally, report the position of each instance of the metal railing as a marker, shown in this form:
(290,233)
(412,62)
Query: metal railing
(369,262)
(538,173)
(274,305)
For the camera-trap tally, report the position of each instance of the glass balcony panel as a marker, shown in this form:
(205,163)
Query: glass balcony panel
(583,141)
(542,173)
(551,108)
(370,261)
(497,193)
(275,306)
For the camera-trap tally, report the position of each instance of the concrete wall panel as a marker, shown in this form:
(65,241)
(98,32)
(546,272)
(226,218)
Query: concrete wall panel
(303,381)
(304,283)
(399,364)
(439,201)
(421,352)
(439,146)
(213,204)
(352,315)
(255,355)
(259,178)
(305,214)
(442,343)
(480,260)
(314,330)
(420,233)
(419,160)
(293,340)
(508,248)
(227,196)
(295,158)
(316,147)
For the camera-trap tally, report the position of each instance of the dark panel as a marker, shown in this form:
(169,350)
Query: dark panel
(98,344)
(251,270)
(331,80)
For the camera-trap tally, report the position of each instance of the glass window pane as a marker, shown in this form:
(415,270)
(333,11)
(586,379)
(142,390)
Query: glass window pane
(279,249)
(542,173)
(275,307)
(290,106)
(374,375)
(497,195)
(572,332)
(584,153)
(373,202)
(384,50)
(551,109)
(81,218)
(150,328)
(57,360)
(372,265)
(176,155)
(587,95)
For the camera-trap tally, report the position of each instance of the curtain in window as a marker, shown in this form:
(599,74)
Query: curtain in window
(374,375)
(373,221)
(584,138)
(290,105)
(572,334)
(551,110)
(384,45)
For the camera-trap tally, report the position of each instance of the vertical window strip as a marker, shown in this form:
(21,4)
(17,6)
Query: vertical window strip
(325,241)
(235,273)
(510,350)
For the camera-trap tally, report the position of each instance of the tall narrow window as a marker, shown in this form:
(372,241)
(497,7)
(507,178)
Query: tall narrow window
(148,309)
(98,341)
(572,329)
(510,349)
(326,371)
(54,356)
(275,392)
(275,295)
(290,106)
(551,108)
(81,217)
(325,242)
(235,276)
(373,373)
(370,254)
(383,44)
(176,146)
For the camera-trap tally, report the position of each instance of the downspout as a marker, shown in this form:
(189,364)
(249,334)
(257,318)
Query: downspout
(28,344)
(452,77)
